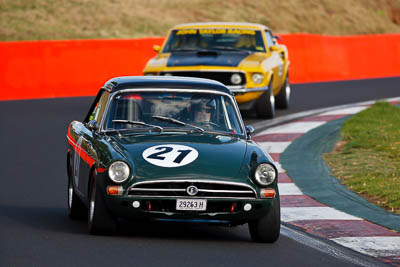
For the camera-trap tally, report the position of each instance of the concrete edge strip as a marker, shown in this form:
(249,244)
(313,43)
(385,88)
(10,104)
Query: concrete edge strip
(347,242)
(317,181)
(329,247)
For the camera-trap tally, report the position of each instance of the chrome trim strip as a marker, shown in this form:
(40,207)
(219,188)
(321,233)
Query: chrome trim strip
(225,191)
(158,189)
(194,197)
(202,70)
(233,87)
(226,114)
(183,190)
(247,90)
(194,181)
(173,90)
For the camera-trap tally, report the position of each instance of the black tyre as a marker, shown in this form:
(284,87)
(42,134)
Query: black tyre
(99,219)
(265,106)
(267,228)
(76,209)
(283,97)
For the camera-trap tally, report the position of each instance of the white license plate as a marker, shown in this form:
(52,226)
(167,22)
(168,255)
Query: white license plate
(191,204)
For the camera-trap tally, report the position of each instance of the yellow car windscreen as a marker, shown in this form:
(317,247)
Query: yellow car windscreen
(229,39)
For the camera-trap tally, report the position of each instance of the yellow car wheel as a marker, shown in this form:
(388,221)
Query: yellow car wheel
(265,106)
(283,97)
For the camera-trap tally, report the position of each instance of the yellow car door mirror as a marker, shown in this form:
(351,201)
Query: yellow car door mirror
(157,48)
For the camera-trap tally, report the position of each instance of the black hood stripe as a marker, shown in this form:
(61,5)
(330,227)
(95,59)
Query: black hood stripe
(225,59)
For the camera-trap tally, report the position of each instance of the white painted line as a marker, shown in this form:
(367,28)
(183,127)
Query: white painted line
(314,213)
(393,99)
(352,110)
(294,127)
(289,189)
(331,249)
(279,167)
(378,246)
(274,147)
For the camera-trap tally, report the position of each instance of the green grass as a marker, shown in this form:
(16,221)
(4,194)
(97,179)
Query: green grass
(367,159)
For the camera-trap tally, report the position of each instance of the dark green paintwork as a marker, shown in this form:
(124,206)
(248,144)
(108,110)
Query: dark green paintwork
(221,157)
(229,158)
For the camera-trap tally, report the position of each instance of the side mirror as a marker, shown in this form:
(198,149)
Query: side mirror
(277,37)
(249,130)
(157,48)
(274,48)
(92,125)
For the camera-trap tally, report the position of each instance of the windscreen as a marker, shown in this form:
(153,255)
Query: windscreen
(174,111)
(215,39)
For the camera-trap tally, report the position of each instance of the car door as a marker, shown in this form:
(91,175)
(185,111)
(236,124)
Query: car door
(86,139)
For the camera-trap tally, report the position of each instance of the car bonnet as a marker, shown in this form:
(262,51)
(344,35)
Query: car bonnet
(177,156)
(220,58)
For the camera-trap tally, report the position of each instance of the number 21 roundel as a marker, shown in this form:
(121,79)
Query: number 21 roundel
(170,155)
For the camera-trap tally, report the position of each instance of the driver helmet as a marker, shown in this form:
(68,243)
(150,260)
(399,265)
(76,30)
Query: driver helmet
(205,106)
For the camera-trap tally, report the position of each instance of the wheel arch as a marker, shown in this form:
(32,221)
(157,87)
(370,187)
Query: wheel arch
(91,180)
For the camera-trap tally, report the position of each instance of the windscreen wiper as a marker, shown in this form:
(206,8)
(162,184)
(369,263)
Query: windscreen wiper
(172,120)
(140,123)
(184,49)
(230,48)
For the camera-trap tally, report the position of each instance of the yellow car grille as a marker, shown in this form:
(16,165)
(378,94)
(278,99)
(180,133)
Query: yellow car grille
(223,77)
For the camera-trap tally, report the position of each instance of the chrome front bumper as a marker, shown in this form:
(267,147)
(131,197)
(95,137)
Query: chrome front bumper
(242,89)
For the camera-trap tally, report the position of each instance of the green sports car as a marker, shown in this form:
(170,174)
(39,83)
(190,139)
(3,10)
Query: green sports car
(169,149)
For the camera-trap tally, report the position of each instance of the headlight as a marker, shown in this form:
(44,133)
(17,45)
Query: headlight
(265,174)
(257,78)
(236,78)
(167,74)
(150,74)
(118,172)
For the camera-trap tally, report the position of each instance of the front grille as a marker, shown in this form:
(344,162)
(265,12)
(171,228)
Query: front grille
(223,77)
(206,189)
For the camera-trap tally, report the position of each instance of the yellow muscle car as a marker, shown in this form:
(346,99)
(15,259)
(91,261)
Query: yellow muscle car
(245,57)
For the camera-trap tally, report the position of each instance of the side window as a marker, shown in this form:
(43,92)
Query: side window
(98,110)
(232,121)
(270,39)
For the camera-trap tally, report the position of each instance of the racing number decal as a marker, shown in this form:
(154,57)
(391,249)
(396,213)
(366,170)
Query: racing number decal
(183,154)
(170,155)
(167,149)
(164,150)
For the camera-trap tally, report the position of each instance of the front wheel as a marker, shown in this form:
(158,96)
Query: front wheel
(267,228)
(99,219)
(283,97)
(76,209)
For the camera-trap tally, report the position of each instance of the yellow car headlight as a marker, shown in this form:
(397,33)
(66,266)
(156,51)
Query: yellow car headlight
(236,78)
(257,78)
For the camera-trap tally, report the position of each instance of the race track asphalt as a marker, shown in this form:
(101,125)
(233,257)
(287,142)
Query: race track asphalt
(35,229)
